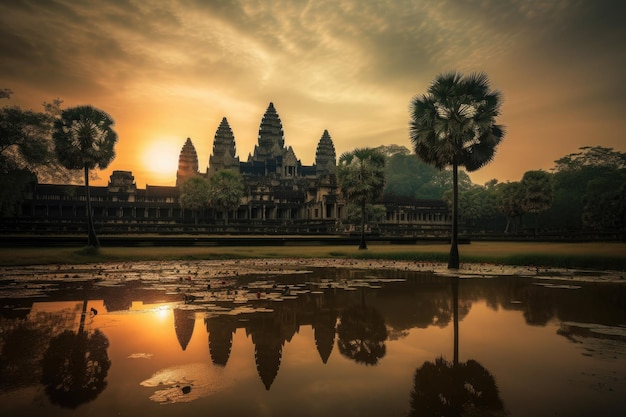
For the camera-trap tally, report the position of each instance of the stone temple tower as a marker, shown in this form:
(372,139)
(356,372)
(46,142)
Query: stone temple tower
(223,156)
(187,163)
(271,136)
(325,156)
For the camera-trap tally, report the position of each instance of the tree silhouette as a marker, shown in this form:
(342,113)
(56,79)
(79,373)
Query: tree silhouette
(537,187)
(509,197)
(361,177)
(84,139)
(453,124)
(25,146)
(450,389)
(226,189)
(362,334)
(194,195)
(442,388)
(21,354)
(75,366)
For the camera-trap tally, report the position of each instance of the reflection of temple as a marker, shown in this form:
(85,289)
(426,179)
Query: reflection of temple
(221,330)
(268,347)
(281,194)
(325,326)
(184,322)
(423,300)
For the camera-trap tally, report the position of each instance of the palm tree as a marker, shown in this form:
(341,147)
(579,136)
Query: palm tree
(84,139)
(361,175)
(453,124)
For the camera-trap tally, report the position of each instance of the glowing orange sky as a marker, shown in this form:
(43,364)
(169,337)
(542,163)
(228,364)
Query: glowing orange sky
(168,70)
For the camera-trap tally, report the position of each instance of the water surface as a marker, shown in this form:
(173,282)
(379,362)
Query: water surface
(314,343)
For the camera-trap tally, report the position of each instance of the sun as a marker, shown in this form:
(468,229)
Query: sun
(160,158)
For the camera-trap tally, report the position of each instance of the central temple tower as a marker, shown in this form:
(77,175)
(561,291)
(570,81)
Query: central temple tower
(271,136)
(223,156)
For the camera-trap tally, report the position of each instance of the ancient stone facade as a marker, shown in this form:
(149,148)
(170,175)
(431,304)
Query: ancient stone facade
(278,185)
(281,196)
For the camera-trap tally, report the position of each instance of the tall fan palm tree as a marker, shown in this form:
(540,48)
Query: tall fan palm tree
(84,139)
(454,124)
(361,177)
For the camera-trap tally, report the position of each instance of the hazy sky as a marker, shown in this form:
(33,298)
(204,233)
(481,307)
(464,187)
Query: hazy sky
(168,70)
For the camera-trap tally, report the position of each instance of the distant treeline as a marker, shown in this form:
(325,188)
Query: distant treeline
(584,192)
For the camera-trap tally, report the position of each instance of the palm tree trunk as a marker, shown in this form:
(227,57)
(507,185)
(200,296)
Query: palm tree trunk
(83,316)
(92,239)
(455,309)
(362,245)
(453,261)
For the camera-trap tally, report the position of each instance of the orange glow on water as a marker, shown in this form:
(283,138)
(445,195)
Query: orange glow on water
(294,356)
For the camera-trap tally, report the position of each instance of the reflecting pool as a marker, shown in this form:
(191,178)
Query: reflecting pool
(320,342)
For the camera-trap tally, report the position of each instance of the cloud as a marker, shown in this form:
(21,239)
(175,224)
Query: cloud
(350,66)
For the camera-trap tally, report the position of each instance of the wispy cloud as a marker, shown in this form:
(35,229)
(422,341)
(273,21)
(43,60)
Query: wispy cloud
(351,66)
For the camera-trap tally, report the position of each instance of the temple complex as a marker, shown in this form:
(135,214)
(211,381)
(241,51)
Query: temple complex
(279,187)
(281,195)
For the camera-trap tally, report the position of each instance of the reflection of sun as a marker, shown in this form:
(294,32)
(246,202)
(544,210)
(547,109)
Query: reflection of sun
(162,312)
(160,158)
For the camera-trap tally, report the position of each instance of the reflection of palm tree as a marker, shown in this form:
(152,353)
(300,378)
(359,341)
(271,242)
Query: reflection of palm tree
(362,334)
(75,366)
(443,388)
(447,389)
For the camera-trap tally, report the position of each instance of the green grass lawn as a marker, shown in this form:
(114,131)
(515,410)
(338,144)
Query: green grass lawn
(596,255)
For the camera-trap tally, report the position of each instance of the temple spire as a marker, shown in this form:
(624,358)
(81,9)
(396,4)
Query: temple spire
(325,156)
(271,137)
(187,163)
(223,156)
